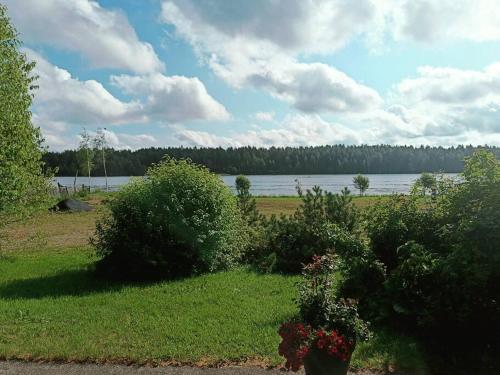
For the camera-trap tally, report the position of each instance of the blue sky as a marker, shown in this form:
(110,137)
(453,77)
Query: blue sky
(264,73)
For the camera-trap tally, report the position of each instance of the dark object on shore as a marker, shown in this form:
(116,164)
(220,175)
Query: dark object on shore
(72,205)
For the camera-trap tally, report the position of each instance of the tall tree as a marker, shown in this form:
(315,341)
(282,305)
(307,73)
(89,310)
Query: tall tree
(87,153)
(23,183)
(100,144)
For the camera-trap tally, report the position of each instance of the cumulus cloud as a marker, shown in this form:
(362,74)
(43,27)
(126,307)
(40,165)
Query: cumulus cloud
(103,36)
(295,130)
(62,98)
(453,86)
(451,101)
(293,25)
(430,20)
(173,98)
(316,88)
(231,38)
(65,99)
(120,141)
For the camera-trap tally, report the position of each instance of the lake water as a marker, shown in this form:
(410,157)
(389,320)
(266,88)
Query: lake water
(380,184)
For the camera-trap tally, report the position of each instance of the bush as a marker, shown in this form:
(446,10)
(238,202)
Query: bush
(179,220)
(316,228)
(441,258)
(399,219)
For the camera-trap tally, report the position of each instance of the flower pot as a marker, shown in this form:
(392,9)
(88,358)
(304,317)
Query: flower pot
(319,362)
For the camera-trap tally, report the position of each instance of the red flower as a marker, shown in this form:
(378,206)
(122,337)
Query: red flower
(297,339)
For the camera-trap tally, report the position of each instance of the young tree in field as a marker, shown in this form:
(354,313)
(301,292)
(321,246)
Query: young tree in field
(24,186)
(86,152)
(361,183)
(246,202)
(100,145)
(427,181)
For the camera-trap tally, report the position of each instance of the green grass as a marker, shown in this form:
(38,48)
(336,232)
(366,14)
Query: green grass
(288,205)
(65,230)
(52,308)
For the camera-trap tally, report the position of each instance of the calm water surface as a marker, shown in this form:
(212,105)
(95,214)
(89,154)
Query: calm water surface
(380,184)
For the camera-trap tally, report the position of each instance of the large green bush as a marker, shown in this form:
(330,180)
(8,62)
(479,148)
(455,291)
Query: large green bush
(179,220)
(441,257)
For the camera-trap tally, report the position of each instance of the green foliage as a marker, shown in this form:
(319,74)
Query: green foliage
(316,228)
(441,258)
(86,155)
(319,304)
(179,220)
(426,182)
(361,183)
(23,184)
(246,202)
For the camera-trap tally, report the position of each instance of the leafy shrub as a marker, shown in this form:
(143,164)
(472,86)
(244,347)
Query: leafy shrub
(399,219)
(316,228)
(441,258)
(179,220)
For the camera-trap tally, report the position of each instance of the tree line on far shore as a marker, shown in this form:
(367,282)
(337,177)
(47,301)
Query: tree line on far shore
(335,159)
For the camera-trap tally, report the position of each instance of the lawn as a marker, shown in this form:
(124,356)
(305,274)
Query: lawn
(53,308)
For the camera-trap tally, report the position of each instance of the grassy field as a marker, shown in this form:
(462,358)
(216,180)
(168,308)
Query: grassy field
(65,230)
(53,308)
(288,205)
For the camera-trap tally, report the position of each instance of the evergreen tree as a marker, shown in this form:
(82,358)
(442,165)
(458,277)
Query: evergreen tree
(361,183)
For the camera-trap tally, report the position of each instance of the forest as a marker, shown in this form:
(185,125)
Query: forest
(335,159)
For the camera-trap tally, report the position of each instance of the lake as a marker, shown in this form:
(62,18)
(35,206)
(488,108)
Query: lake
(380,184)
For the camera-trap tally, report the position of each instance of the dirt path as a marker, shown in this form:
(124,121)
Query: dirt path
(30,368)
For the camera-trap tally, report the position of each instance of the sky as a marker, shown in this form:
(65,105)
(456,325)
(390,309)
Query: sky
(264,72)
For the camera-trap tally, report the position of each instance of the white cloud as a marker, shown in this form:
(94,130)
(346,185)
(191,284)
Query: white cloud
(264,116)
(295,130)
(453,101)
(431,20)
(62,98)
(316,87)
(104,37)
(120,141)
(258,43)
(296,26)
(453,86)
(65,99)
(173,98)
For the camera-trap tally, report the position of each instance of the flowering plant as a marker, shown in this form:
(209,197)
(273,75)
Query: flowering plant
(326,322)
(298,339)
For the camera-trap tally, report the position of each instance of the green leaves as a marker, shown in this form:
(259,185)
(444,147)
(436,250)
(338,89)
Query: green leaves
(179,220)
(361,183)
(23,184)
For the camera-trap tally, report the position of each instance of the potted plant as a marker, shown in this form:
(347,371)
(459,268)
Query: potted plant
(325,333)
